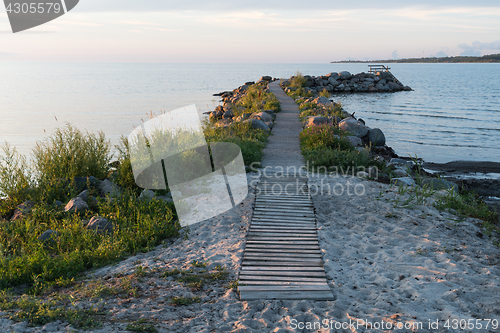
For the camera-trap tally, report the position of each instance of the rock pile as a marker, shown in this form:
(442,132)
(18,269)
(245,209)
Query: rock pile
(224,115)
(347,82)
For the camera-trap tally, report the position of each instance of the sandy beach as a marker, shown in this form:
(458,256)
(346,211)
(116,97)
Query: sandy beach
(385,265)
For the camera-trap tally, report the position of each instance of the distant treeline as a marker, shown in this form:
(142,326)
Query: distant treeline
(486,58)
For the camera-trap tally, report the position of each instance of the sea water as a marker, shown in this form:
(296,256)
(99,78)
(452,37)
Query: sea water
(453,112)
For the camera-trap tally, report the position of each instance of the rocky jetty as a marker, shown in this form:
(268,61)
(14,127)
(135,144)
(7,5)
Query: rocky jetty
(227,114)
(345,82)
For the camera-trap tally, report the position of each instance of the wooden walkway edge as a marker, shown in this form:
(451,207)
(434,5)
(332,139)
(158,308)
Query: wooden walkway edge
(282,258)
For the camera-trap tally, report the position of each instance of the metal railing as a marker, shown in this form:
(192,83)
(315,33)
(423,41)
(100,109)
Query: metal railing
(374,69)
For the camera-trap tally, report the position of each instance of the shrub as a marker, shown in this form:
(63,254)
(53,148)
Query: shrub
(15,179)
(69,153)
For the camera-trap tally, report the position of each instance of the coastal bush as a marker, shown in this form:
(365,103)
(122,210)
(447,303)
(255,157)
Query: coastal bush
(256,100)
(251,141)
(69,153)
(124,175)
(298,80)
(16,177)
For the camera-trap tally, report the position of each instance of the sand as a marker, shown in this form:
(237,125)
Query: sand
(386,266)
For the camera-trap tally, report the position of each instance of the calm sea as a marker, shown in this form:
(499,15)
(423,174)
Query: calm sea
(452,114)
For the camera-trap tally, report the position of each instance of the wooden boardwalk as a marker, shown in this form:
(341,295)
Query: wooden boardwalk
(282,258)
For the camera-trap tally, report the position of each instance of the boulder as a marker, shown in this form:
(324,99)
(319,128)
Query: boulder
(323,101)
(271,113)
(317,121)
(354,127)
(243,117)
(376,137)
(108,188)
(48,237)
(266,78)
(215,115)
(354,141)
(405,181)
(84,195)
(333,81)
(22,210)
(100,225)
(439,184)
(223,123)
(258,124)
(264,116)
(228,114)
(345,75)
(76,205)
(269,124)
(147,195)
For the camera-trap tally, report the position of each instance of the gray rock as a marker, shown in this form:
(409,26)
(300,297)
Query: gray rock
(270,124)
(215,115)
(323,101)
(84,195)
(228,114)
(402,162)
(108,188)
(333,81)
(354,141)
(439,184)
(147,195)
(271,113)
(22,210)
(48,236)
(345,75)
(266,78)
(264,116)
(315,121)
(223,123)
(76,205)
(100,225)
(376,137)
(340,87)
(258,124)
(58,203)
(354,127)
(405,181)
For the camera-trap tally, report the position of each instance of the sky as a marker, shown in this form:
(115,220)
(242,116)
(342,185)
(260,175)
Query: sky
(257,31)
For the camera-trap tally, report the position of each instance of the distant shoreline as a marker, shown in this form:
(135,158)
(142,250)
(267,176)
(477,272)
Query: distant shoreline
(492,58)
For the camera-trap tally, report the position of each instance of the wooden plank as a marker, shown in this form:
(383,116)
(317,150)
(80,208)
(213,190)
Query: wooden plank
(285,197)
(283,230)
(287,295)
(280,243)
(267,279)
(316,263)
(305,220)
(280,237)
(284,200)
(284,215)
(279,283)
(283,246)
(283,218)
(282,259)
(251,274)
(283,255)
(295,269)
(283,210)
(284,223)
(305,287)
(283,251)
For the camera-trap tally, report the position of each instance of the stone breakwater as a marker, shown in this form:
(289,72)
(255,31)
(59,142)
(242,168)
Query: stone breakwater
(345,82)
(231,111)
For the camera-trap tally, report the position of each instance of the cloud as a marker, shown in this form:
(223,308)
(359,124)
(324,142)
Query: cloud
(281,5)
(476,48)
(440,54)
(395,55)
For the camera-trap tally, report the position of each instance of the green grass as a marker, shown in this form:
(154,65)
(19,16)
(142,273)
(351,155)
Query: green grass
(256,100)
(70,153)
(141,325)
(185,300)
